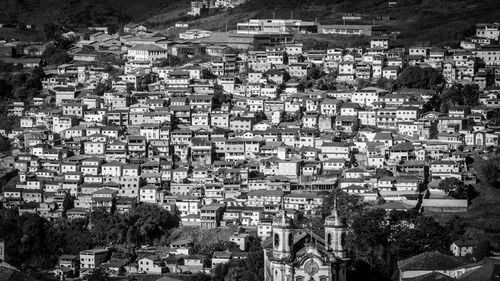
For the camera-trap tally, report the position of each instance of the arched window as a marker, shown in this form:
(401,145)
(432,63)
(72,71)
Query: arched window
(342,239)
(276,240)
(299,278)
(290,240)
(329,241)
(323,278)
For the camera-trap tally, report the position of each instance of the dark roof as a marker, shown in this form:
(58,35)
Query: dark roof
(433,276)
(404,146)
(222,255)
(489,271)
(466,243)
(431,261)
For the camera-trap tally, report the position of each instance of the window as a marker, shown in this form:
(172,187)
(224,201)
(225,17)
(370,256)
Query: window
(276,240)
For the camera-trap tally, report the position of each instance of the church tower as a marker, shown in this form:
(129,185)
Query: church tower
(335,232)
(282,229)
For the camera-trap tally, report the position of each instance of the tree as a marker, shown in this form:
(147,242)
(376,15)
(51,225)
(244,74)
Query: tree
(55,55)
(98,274)
(208,249)
(4,144)
(490,78)
(419,78)
(101,88)
(481,250)
(488,171)
(433,104)
(363,83)
(383,173)
(38,73)
(454,188)
(254,243)
(386,84)
(459,94)
(414,233)
(368,231)
(377,239)
(471,94)
(68,203)
(200,276)
(314,73)
(235,270)
(239,273)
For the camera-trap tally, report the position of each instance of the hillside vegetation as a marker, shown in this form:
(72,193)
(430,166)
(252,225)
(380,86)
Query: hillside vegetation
(424,22)
(83,13)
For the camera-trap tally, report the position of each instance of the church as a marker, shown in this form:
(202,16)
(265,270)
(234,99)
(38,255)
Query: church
(301,255)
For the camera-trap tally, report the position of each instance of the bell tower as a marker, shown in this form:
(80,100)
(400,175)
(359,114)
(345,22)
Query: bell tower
(282,230)
(335,232)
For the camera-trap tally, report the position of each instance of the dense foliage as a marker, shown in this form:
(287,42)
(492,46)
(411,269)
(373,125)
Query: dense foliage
(18,84)
(250,269)
(80,13)
(420,78)
(488,171)
(33,242)
(455,95)
(378,239)
(457,188)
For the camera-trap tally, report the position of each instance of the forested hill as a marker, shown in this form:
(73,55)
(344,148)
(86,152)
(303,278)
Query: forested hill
(84,12)
(418,21)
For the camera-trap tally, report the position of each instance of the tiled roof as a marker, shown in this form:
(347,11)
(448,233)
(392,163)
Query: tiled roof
(431,261)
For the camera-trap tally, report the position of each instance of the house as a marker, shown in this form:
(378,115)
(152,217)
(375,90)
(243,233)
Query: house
(461,248)
(241,124)
(335,150)
(93,258)
(348,124)
(488,269)
(68,266)
(134,28)
(379,42)
(195,263)
(429,262)
(367,96)
(147,53)
(151,265)
(241,239)
(444,168)
(346,29)
(221,257)
(211,216)
(390,72)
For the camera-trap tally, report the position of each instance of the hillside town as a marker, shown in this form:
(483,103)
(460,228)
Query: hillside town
(250,131)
